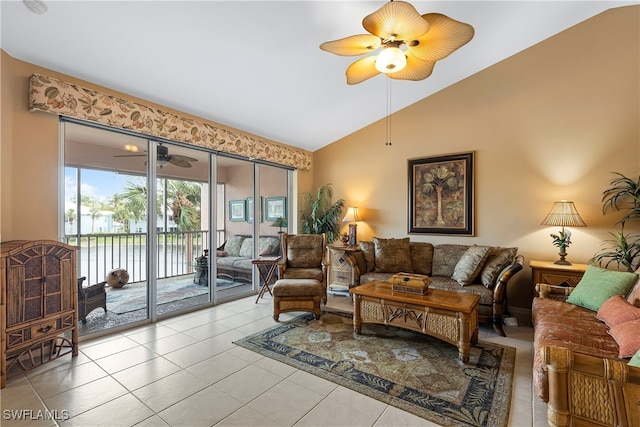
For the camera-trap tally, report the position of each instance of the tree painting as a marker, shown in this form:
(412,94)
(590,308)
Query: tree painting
(440,194)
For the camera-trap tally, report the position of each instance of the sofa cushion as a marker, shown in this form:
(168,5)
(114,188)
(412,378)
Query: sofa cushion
(247,248)
(617,310)
(233,245)
(598,285)
(627,336)
(392,255)
(268,246)
(445,258)
(448,284)
(497,259)
(469,265)
(635,360)
(421,257)
(305,251)
(634,295)
(369,251)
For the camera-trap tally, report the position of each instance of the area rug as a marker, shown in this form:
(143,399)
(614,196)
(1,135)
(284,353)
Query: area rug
(405,369)
(133,296)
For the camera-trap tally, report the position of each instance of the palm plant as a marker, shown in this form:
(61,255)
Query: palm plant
(320,215)
(624,249)
(439,179)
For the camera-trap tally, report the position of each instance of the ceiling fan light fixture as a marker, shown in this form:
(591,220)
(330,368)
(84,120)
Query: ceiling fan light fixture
(391,60)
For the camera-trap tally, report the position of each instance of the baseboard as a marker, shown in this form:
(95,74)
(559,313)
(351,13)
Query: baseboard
(523,315)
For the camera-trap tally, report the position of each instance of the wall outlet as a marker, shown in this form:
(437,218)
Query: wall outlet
(511,321)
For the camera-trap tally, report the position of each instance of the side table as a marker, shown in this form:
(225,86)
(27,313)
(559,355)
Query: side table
(341,275)
(267,266)
(556,274)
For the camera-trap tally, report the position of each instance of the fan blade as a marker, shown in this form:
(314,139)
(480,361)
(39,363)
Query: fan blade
(396,19)
(181,157)
(361,70)
(415,69)
(445,36)
(179,162)
(352,45)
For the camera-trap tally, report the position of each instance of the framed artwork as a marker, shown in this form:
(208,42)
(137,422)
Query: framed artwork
(249,206)
(441,195)
(236,210)
(275,207)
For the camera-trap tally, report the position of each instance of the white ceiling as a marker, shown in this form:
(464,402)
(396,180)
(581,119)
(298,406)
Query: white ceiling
(256,65)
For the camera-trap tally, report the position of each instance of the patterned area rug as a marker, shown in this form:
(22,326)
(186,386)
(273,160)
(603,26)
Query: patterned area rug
(408,370)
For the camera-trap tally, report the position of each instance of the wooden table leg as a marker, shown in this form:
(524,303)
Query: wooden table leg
(357,320)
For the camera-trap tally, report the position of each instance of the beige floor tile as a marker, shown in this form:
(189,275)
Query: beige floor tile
(207,330)
(86,397)
(61,364)
(169,390)
(225,340)
(247,417)
(126,359)
(188,323)
(145,373)
(204,408)
(154,421)
(170,343)
(60,381)
(394,417)
(244,354)
(192,354)
(123,411)
(286,402)
(281,369)
(150,333)
(344,407)
(23,405)
(312,382)
(218,367)
(107,348)
(248,383)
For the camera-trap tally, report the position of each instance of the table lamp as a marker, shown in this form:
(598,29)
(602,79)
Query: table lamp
(352,217)
(563,213)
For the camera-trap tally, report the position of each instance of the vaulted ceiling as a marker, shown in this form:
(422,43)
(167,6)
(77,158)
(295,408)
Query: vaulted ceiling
(256,65)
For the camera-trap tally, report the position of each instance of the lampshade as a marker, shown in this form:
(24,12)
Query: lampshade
(352,215)
(392,59)
(564,213)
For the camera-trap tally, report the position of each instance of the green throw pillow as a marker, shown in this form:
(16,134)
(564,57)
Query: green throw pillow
(598,285)
(635,360)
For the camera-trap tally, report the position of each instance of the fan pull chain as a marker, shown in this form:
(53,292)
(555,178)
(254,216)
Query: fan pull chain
(388,136)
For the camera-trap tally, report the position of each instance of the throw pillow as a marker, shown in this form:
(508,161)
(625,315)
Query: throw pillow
(246,250)
(233,245)
(269,246)
(221,254)
(369,251)
(392,255)
(617,310)
(627,336)
(634,295)
(497,260)
(421,257)
(468,267)
(635,360)
(598,285)
(445,258)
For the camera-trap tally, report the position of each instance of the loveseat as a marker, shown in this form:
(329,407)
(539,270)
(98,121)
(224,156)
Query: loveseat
(233,259)
(481,270)
(582,346)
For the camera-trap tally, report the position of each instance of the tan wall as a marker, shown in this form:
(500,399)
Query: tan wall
(29,156)
(549,123)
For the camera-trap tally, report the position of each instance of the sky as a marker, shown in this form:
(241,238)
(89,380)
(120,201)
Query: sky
(95,183)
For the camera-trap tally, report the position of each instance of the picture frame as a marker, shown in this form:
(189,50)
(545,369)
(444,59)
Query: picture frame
(249,209)
(275,207)
(236,210)
(441,194)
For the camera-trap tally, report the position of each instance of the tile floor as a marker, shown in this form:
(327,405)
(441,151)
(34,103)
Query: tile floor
(185,371)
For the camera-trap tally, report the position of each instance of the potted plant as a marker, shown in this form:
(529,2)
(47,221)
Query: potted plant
(321,215)
(624,249)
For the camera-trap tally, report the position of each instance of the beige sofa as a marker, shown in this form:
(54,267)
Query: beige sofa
(480,270)
(576,368)
(234,257)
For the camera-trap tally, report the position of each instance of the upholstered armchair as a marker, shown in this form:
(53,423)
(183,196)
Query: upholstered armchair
(302,279)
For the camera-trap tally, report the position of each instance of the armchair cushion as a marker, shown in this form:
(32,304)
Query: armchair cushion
(303,273)
(305,251)
(392,255)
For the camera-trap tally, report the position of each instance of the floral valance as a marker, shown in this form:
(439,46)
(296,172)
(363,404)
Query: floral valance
(67,99)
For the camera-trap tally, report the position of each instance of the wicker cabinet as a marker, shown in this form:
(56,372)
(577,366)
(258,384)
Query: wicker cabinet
(38,304)
(556,274)
(341,275)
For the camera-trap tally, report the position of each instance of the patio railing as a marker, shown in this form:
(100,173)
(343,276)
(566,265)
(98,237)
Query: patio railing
(100,253)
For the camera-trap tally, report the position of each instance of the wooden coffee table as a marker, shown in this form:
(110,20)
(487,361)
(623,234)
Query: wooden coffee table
(446,315)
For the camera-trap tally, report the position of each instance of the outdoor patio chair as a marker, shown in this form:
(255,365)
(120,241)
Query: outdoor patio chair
(90,298)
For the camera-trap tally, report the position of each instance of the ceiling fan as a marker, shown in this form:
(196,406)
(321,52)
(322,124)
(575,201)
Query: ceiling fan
(164,158)
(409,43)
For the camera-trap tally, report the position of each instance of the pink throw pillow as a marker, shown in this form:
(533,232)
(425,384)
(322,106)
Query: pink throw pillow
(627,336)
(617,310)
(634,295)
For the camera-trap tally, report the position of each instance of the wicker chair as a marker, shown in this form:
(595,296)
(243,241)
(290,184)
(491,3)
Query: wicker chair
(90,298)
(302,283)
